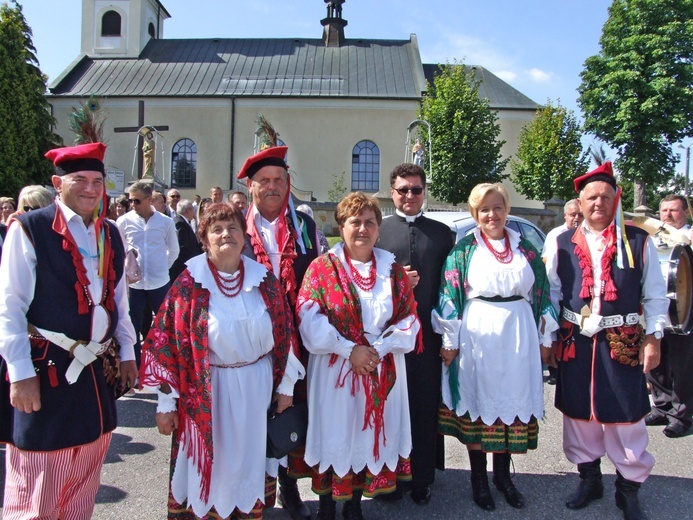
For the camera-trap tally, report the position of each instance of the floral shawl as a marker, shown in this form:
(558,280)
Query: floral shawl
(176,352)
(327,283)
(454,289)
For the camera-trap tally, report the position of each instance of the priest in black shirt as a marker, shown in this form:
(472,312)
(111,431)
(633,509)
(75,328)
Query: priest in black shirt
(421,245)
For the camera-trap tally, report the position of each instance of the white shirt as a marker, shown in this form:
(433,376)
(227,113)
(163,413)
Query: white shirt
(17,283)
(156,243)
(268,232)
(654,299)
(550,242)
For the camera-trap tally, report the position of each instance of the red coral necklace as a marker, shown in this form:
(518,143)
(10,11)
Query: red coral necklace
(504,256)
(366,284)
(229,288)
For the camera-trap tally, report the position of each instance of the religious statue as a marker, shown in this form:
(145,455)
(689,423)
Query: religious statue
(148,151)
(418,152)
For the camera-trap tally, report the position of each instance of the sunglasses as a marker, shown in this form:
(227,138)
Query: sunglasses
(135,201)
(416,190)
(27,209)
(175,196)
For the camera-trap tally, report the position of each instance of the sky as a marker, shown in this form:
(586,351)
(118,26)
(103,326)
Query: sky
(537,46)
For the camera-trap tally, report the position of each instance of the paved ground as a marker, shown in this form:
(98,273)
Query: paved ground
(134,481)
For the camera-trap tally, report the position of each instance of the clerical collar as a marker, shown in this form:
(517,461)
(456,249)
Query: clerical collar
(408,218)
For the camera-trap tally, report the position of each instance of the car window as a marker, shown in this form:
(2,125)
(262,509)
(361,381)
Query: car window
(512,224)
(531,234)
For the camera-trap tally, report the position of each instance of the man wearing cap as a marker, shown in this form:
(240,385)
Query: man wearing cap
(672,381)
(602,275)
(285,241)
(63,299)
(421,245)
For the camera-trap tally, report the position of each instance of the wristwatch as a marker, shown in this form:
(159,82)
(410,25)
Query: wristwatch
(657,334)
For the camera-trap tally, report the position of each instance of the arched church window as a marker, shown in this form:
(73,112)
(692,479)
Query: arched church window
(151,30)
(365,166)
(184,164)
(110,24)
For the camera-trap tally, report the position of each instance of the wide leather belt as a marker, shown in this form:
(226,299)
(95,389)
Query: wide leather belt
(83,352)
(617,320)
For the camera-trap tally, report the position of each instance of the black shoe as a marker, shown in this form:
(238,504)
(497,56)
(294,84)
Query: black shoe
(676,430)
(653,419)
(590,487)
(421,495)
(551,380)
(290,499)
(481,493)
(627,498)
(503,481)
(587,491)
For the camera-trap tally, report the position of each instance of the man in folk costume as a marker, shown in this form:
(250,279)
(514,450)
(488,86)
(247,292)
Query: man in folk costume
(421,245)
(606,277)
(63,302)
(671,382)
(285,241)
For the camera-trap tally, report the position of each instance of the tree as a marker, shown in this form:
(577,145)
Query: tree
(338,189)
(549,155)
(636,93)
(26,129)
(464,131)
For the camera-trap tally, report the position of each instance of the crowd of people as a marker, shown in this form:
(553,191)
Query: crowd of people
(394,338)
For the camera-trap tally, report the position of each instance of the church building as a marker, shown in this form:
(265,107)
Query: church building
(341,105)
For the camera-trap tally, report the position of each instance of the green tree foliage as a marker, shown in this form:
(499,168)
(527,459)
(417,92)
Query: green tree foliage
(549,155)
(25,132)
(338,189)
(636,93)
(464,135)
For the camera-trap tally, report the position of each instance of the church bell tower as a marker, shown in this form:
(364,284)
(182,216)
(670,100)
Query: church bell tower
(120,28)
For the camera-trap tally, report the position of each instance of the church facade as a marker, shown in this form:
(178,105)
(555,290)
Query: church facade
(342,106)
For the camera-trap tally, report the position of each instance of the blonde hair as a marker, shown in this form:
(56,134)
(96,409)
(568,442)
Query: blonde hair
(34,196)
(480,191)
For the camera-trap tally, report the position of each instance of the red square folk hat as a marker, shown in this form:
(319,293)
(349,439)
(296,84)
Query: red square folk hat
(80,158)
(273,156)
(603,172)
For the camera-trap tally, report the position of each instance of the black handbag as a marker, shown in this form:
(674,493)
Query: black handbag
(286,431)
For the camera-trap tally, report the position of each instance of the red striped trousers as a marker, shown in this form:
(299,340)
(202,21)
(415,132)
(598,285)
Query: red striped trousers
(52,485)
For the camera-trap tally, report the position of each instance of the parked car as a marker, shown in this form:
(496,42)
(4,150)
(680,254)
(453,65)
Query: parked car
(461,224)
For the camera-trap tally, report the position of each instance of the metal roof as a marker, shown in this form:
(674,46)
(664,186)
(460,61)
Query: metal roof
(252,67)
(498,92)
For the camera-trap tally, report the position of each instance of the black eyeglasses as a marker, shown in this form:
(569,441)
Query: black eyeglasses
(416,190)
(135,201)
(27,209)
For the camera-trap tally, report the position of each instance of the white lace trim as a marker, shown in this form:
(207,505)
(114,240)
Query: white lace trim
(255,273)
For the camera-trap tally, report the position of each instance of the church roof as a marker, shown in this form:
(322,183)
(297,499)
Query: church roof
(387,69)
(500,94)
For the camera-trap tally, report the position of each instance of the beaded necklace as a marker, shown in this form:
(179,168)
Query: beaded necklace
(506,255)
(366,284)
(228,288)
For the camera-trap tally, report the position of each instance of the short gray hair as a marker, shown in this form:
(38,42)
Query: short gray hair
(184,205)
(569,203)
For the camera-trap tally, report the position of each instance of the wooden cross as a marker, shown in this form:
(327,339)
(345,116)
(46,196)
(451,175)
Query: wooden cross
(129,129)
